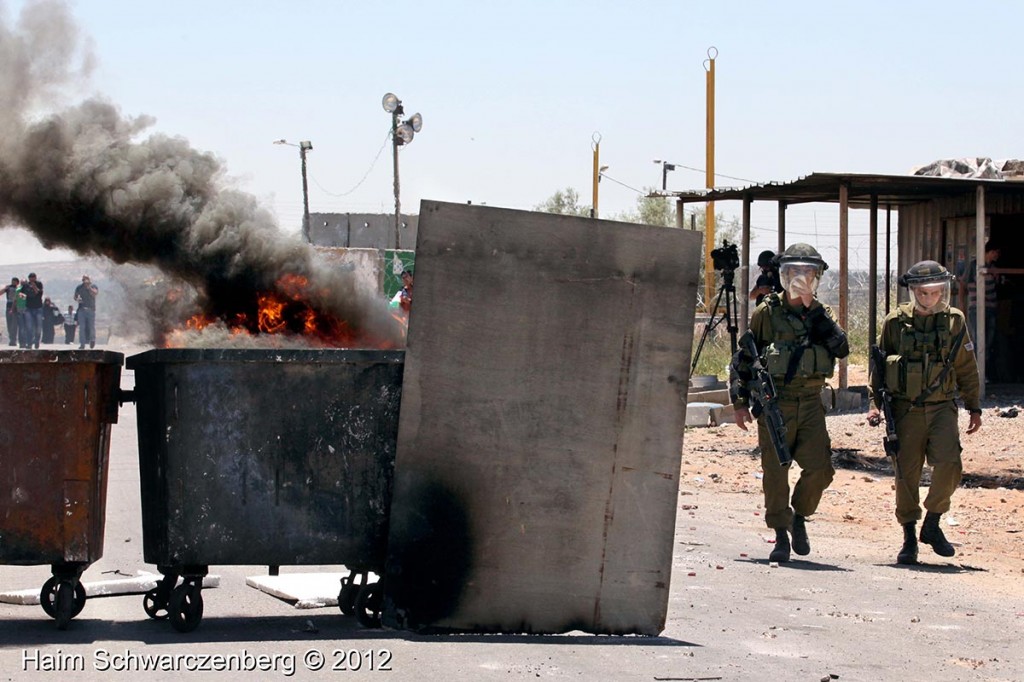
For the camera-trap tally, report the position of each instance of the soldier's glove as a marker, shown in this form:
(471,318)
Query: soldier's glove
(824,331)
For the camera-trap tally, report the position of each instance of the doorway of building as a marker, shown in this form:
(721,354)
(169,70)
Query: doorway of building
(1007,365)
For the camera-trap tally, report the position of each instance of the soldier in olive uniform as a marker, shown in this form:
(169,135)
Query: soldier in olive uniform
(799,341)
(929,357)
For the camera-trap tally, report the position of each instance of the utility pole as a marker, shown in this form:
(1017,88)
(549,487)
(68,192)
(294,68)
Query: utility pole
(709,221)
(304,146)
(596,146)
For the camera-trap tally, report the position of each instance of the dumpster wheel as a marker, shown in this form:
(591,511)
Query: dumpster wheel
(155,604)
(62,599)
(185,607)
(349,591)
(368,605)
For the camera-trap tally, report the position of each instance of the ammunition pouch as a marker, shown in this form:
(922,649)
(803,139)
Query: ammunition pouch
(908,378)
(815,361)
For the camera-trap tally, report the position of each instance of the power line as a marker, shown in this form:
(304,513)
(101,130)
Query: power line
(617,182)
(365,175)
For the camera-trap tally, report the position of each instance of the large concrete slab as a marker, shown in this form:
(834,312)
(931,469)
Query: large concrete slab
(541,423)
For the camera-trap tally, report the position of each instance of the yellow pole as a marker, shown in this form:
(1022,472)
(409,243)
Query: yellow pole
(596,146)
(709,219)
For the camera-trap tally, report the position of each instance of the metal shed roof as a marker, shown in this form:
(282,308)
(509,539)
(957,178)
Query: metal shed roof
(894,190)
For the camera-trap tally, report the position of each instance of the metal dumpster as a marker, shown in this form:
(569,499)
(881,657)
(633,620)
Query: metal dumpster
(57,408)
(264,457)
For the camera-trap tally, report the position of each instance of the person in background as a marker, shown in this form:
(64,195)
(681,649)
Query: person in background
(11,310)
(85,294)
(768,281)
(24,338)
(33,290)
(70,324)
(403,299)
(969,292)
(51,318)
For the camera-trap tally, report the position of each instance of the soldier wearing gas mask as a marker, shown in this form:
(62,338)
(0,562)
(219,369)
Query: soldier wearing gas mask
(798,341)
(929,357)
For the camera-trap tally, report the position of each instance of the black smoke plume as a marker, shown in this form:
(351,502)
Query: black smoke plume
(85,178)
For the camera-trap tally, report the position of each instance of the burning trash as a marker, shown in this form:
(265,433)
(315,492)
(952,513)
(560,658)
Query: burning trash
(86,178)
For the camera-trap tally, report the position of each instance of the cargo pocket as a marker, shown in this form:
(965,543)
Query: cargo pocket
(914,378)
(894,374)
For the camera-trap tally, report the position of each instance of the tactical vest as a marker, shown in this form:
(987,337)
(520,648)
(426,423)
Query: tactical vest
(918,360)
(789,337)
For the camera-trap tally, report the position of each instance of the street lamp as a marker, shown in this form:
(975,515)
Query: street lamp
(665,168)
(304,146)
(401,133)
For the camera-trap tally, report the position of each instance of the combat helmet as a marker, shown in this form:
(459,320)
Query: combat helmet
(800,268)
(765,258)
(929,285)
(803,253)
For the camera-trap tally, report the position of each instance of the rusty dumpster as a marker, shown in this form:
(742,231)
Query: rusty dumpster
(264,457)
(57,407)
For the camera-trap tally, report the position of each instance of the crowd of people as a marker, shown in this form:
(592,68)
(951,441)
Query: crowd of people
(33,318)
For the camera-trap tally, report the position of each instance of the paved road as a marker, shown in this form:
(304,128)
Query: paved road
(732,616)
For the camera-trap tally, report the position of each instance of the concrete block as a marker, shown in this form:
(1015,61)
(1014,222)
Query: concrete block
(719,395)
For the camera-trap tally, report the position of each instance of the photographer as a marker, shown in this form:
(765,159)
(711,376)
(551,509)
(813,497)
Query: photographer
(33,291)
(768,281)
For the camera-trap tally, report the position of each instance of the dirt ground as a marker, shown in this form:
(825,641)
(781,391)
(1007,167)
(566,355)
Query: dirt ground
(985,523)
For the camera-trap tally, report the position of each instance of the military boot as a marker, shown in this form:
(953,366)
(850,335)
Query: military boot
(908,553)
(932,535)
(801,545)
(781,551)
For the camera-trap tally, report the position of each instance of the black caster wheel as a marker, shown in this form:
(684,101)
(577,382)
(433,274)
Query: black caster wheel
(368,605)
(185,607)
(347,596)
(73,596)
(155,604)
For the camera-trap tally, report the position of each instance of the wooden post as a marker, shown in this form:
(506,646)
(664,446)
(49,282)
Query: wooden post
(873,273)
(844,274)
(979,312)
(888,250)
(744,293)
(782,227)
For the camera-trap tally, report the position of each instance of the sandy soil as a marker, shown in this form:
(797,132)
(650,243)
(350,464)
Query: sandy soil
(986,522)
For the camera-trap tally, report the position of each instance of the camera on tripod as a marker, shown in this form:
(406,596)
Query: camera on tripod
(726,257)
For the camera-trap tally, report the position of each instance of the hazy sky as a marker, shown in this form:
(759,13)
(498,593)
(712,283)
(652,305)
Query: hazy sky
(512,92)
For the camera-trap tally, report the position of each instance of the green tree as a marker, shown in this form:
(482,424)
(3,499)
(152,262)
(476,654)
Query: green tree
(565,202)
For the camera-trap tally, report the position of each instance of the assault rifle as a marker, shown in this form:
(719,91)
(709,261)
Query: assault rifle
(766,399)
(891,440)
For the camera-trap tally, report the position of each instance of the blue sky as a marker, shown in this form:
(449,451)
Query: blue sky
(511,93)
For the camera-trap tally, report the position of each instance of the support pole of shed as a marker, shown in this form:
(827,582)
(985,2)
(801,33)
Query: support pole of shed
(888,250)
(844,275)
(873,272)
(782,227)
(744,292)
(979,249)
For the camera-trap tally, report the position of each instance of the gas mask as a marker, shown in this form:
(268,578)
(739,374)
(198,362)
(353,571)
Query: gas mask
(799,279)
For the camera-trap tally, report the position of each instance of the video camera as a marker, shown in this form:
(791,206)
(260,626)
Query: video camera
(726,257)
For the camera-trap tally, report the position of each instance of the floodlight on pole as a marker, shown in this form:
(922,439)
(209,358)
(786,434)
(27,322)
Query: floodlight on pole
(665,168)
(401,133)
(304,146)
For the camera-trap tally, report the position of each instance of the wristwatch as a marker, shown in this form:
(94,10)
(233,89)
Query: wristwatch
(974,411)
